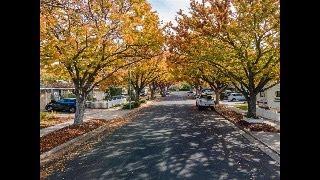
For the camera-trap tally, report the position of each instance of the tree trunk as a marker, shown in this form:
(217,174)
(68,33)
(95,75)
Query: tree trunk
(152,91)
(197,91)
(138,91)
(80,108)
(252,106)
(163,92)
(217,96)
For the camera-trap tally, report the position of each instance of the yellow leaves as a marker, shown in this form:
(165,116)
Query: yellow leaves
(83,36)
(230,42)
(56,55)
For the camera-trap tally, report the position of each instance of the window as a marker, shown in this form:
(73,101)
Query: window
(262,94)
(277,98)
(62,101)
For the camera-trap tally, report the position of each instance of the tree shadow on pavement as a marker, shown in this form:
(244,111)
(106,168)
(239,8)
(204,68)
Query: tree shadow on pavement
(173,142)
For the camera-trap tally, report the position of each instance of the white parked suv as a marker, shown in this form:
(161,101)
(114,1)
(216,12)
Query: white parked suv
(236,97)
(190,93)
(205,101)
(207,91)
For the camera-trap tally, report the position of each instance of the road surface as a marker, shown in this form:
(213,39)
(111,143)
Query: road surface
(173,140)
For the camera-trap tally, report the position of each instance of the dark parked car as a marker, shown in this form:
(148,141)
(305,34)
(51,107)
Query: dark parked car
(67,104)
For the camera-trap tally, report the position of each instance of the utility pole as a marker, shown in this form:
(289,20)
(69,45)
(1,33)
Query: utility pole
(130,95)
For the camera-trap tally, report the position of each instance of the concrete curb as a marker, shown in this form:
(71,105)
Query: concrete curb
(250,132)
(248,135)
(69,145)
(58,151)
(261,141)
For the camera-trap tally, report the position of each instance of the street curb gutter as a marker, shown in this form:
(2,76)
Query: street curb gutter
(58,151)
(260,144)
(69,145)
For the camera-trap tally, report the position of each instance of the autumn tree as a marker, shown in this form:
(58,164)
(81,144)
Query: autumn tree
(198,72)
(162,81)
(215,78)
(93,39)
(166,76)
(144,73)
(241,39)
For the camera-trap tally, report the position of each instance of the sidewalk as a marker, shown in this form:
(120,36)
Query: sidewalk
(106,114)
(271,140)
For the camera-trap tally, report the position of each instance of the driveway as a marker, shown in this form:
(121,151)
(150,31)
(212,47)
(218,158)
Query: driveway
(173,140)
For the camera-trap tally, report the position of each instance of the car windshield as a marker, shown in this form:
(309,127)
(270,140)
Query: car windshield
(68,100)
(236,94)
(205,97)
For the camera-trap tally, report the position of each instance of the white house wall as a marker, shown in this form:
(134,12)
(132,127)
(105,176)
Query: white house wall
(99,95)
(270,96)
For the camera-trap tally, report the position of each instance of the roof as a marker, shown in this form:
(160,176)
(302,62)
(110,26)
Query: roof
(59,85)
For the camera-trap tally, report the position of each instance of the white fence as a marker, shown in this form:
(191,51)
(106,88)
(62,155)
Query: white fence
(268,114)
(106,104)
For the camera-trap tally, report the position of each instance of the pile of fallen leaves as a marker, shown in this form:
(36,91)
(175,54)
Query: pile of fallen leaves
(237,118)
(231,115)
(258,126)
(65,134)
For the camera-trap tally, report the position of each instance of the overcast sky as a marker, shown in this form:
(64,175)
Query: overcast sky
(167,9)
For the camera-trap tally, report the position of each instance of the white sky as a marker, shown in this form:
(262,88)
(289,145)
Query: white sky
(167,9)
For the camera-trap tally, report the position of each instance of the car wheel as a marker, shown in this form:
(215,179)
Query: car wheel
(234,99)
(72,110)
(49,108)
(212,108)
(200,108)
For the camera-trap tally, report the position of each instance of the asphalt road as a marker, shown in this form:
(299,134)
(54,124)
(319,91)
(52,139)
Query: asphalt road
(173,140)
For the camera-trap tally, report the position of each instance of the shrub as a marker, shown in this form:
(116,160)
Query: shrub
(174,88)
(133,105)
(113,91)
(142,101)
(70,95)
(185,87)
(116,105)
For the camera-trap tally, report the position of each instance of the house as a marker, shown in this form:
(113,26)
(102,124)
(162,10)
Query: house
(145,91)
(270,98)
(62,89)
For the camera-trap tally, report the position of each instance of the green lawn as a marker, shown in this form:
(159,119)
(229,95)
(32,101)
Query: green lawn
(48,119)
(242,106)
